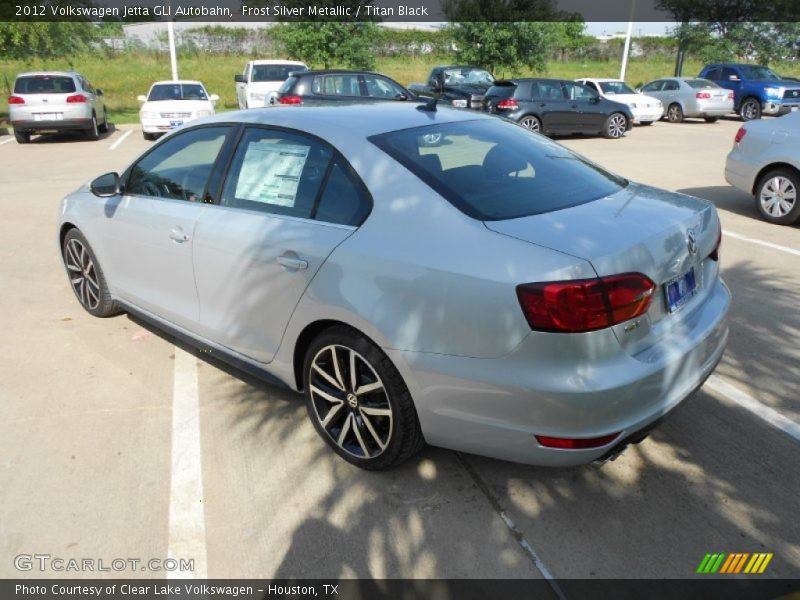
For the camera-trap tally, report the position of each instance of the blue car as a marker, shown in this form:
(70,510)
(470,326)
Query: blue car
(757,90)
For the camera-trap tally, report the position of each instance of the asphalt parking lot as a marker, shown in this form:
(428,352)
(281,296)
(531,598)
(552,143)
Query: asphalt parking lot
(116,442)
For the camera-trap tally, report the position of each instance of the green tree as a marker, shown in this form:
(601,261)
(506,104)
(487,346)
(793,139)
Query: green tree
(45,39)
(501,35)
(328,40)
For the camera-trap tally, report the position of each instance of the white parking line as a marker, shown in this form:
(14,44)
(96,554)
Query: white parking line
(187,521)
(746,401)
(120,140)
(738,236)
(6,141)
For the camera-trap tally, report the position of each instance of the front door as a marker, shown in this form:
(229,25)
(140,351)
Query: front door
(150,233)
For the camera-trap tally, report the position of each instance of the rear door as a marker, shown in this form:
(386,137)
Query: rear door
(288,200)
(149,231)
(556,115)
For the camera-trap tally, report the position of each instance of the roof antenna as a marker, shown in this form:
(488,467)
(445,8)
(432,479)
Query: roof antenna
(429,106)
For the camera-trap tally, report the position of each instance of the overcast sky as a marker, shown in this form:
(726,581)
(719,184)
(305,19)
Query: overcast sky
(597,28)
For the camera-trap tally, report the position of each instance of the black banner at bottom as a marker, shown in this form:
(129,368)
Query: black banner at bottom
(400,589)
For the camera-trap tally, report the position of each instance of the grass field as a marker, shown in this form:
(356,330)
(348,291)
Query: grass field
(124,77)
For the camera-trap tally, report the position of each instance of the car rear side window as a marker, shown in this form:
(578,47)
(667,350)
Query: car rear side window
(493,170)
(276,172)
(179,167)
(44,84)
(344,201)
(550,90)
(345,84)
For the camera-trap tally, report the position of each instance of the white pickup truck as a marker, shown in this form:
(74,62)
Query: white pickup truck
(261,79)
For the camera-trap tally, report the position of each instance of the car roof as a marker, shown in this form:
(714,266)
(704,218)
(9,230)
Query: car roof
(335,71)
(350,121)
(39,73)
(599,79)
(523,79)
(277,62)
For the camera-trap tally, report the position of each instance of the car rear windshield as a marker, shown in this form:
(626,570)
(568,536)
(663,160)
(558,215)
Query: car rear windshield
(494,170)
(287,85)
(44,84)
(701,84)
(504,89)
(273,72)
(177,91)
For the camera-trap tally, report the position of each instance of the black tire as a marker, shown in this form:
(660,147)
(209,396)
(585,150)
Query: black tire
(93,133)
(379,439)
(531,123)
(103,128)
(615,126)
(645,123)
(675,113)
(23,137)
(779,212)
(86,277)
(750,110)
(711,119)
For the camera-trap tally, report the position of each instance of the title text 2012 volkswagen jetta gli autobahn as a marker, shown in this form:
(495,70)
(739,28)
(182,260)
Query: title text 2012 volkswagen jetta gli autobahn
(491,291)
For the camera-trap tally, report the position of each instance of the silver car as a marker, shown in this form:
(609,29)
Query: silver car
(765,162)
(691,97)
(54,102)
(493,292)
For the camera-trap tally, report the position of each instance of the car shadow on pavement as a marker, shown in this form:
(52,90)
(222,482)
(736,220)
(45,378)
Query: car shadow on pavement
(69,137)
(726,198)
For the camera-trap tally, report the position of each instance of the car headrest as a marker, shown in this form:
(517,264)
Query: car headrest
(498,162)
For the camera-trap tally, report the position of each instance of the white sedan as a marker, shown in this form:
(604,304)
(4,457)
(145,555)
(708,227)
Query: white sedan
(170,104)
(765,162)
(645,109)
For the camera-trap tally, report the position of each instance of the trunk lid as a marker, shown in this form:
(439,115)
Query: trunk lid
(639,229)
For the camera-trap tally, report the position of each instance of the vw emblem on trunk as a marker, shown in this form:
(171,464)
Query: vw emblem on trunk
(691,242)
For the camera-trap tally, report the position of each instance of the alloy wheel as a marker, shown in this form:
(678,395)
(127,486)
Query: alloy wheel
(674,113)
(616,126)
(778,196)
(350,401)
(82,274)
(531,123)
(750,110)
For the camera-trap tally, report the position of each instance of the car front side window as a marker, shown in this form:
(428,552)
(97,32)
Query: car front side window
(178,168)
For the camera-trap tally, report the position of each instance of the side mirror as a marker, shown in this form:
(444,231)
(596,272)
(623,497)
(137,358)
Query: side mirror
(141,98)
(401,97)
(106,185)
(98,92)
(214,98)
(239,78)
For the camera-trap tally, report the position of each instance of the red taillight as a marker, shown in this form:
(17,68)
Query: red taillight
(730,96)
(290,100)
(739,135)
(76,99)
(585,304)
(507,103)
(16,100)
(575,443)
(715,252)
(703,96)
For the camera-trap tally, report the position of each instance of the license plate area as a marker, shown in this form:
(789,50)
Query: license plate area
(680,290)
(174,124)
(48,116)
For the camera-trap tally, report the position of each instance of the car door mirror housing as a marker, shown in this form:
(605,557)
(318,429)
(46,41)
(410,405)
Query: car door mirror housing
(98,92)
(239,78)
(106,185)
(141,98)
(214,98)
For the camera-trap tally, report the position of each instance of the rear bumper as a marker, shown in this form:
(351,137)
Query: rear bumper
(59,125)
(739,173)
(495,407)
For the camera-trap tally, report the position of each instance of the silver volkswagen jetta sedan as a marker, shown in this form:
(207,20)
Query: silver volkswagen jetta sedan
(492,292)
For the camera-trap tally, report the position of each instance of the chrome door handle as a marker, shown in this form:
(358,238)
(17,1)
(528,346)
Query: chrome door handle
(177,235)
(292,263)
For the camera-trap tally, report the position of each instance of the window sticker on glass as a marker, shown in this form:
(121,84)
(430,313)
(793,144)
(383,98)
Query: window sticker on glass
(271,173)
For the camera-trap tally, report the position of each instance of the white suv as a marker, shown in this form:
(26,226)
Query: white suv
(53,102)
(261,79)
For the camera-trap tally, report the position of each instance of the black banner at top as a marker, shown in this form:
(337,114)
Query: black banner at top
(436,11)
